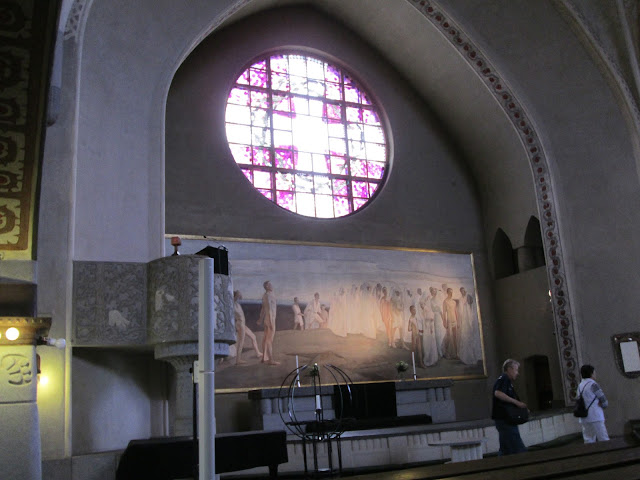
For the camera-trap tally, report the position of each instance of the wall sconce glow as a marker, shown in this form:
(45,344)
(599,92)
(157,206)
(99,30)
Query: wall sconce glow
(43,380)
(12,333)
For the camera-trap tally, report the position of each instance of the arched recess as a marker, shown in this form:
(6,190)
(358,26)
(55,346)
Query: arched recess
(502,255)
(533,244)
(556,270)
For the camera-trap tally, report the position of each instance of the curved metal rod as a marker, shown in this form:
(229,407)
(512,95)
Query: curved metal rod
(293,425)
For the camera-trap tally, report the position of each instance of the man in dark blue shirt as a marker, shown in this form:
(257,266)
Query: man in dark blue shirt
(504,393)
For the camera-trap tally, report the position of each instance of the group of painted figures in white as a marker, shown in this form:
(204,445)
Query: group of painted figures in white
(434,324)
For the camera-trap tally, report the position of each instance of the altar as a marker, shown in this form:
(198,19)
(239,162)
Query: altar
(393,400)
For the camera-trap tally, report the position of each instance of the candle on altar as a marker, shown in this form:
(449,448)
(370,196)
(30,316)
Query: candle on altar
(413,360)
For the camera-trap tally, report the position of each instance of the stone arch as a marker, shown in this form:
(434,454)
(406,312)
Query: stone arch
(563,316)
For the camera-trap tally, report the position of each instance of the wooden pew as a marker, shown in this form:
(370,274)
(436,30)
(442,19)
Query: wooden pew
(604,454)
(169,458)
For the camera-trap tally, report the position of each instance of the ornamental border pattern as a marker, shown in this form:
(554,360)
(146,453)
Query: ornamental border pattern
(17,157)
(563,317)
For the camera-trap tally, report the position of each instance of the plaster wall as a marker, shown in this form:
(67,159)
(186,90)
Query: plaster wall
(525,326)
(117,396)
(589,146)
(428,200)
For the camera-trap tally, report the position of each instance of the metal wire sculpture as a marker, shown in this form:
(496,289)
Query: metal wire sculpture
(316,429)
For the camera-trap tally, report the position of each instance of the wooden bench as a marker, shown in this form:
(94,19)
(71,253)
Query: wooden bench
(169,458)
(463,449)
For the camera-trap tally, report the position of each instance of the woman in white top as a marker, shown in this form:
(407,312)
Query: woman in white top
(593,427)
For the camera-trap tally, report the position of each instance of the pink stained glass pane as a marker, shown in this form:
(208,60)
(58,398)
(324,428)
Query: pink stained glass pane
(355,131)
(238,133)
(241,153)
(370,117)
(261,179)
(354,115)
(324,206)
(315,69)
(280,82)
(259,117)
(336,129)
(304,182)
(303,161)
(322,185)
(373,134)
(300,105)
(305,204)
(298,85)
(337,146)
(321,163)
(239,96)
(261,65)
(375,170)
(238,114)
(282,121)
(316,108)
(262,157)
(284,159)
(334,92)
(338,166)
(286,200)
(376,152)
(372,188)
(282,103)
(358,168)
(341,206)
(258,78)
(280,64)
(284,181)
(333,112)
(316,89)
(261,136)
(340,187)
(282,139)
(359,189)
(259,99)
(356,149)
(364,100)
(351,94)
(266,193)
(358,203)
(331,73)
(244,78)
(248,173)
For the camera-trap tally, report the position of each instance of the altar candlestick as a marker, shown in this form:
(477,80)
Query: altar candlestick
(413,360)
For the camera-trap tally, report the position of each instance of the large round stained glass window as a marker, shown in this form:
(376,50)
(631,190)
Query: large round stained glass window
(306,135)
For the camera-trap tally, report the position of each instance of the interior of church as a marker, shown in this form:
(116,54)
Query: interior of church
(488,149)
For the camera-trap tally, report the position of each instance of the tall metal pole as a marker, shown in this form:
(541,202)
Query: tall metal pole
(206,365)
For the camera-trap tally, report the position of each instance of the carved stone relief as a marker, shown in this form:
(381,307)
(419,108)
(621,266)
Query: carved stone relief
(109,300)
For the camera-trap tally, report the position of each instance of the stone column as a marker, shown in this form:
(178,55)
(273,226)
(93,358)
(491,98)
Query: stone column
(181,357)
(20,448)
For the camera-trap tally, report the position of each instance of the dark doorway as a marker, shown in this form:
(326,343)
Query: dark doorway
(538,382)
